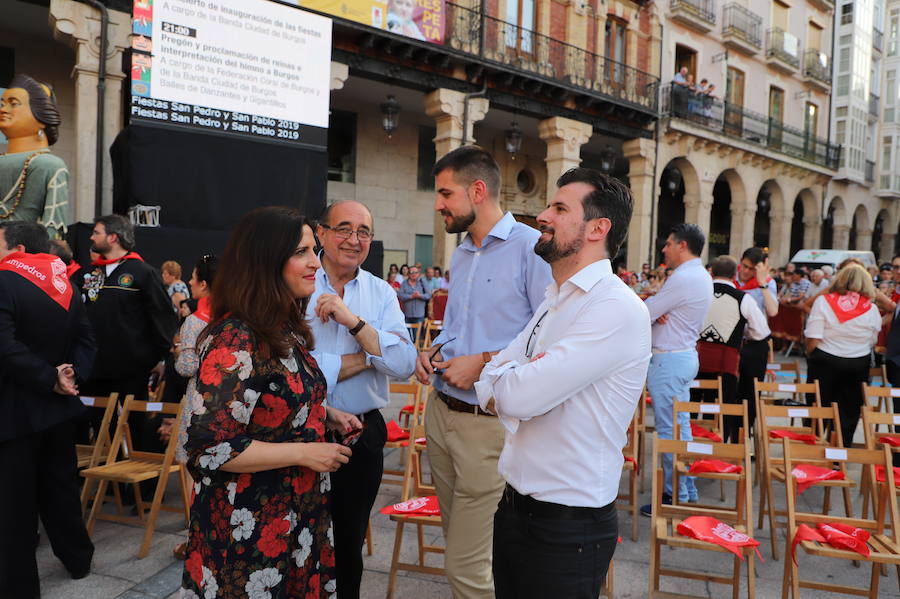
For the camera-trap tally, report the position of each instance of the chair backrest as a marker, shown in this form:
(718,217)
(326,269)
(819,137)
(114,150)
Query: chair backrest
(879,373)
(413,390)
(878,394)
(784,372)
(738,453)
(717,410)
(764,392)
(631,440)
(709,385)
(123,432)
(413,485)
(438,305)
(866,458)
(416,330)
(873,420)
(101,438)
(823,423)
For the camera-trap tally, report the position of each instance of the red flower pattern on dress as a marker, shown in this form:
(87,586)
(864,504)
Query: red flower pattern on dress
(304,481)
(216,364)
(271,413)
(272,541)
(243,481)
(193,565)
(295,383)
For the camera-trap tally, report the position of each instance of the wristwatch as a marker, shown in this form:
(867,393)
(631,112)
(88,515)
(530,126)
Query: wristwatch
(359,326)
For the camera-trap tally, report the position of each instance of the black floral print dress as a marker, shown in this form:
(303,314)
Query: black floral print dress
(265,535)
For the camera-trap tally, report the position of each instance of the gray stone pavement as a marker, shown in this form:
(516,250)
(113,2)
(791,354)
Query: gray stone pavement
(118,574)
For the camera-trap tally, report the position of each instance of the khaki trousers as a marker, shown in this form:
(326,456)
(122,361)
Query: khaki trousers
(463,450)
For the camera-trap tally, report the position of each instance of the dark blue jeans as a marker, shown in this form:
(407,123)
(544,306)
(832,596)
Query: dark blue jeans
(541,558)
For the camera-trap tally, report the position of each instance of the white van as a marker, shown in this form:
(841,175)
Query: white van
(817,258)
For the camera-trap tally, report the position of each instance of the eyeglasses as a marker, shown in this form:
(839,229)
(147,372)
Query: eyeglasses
(342,233)
(529,349)
(438,348)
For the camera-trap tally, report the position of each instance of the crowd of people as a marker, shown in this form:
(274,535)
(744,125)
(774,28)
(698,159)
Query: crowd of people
(692,98)
(286,348)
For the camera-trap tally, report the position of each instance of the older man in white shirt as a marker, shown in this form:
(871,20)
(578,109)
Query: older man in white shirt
(565,390)
(677,313)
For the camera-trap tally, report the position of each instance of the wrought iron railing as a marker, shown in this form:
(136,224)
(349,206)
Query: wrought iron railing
(783,46)
(874,102)
(702,9)
(816,65)
(521,50)
(737,122)
(870,171)
(741,23)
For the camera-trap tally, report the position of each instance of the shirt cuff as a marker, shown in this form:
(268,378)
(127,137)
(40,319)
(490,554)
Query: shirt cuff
(386,340)
(484,389)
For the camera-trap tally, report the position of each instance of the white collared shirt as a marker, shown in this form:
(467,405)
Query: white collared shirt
(757,323)
(853,338)
(685,298)
(567,413)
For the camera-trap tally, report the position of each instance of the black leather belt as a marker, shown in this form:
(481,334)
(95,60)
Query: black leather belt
(525,504)
(461,406)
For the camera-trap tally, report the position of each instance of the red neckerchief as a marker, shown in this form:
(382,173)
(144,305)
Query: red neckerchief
(204,309)
(71,268)
(710,530)
(753,283)
(848,306)
(895,297)
(128,256)
(46,271)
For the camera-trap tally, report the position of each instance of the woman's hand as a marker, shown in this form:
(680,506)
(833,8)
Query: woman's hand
(323,457)
(343,423)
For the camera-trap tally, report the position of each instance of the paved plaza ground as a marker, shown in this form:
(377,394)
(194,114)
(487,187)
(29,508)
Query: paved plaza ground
(118,574)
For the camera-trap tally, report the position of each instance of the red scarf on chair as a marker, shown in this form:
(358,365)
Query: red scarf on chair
(128,256)
(45,271)
(707,528)
(848,306)
(839,536)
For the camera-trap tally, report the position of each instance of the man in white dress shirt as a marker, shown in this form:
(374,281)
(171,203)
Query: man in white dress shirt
(677,313)
(565,390)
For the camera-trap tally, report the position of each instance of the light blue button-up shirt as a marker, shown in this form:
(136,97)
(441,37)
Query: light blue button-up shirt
(685,298)
(494,291)
(374,301)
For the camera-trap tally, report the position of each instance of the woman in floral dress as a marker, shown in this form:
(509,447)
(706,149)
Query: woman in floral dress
(260,523)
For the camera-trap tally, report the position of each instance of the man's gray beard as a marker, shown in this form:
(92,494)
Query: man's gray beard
(460,224)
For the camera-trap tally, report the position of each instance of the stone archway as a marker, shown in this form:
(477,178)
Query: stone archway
(728,192)
(860,236)
(677,180)
(880,244)
(835,229)
(769,197)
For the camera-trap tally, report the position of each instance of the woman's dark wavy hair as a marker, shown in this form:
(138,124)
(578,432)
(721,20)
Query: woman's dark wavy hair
(254,290)
(42,101)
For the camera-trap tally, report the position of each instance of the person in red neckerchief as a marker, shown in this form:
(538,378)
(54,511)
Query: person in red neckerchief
(841,331)
(753,279)
(46,348)
(132,318)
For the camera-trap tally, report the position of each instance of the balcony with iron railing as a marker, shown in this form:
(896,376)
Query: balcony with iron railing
(782,50)
(741,29)
(738,123)
(874,105)
(870,171)
(878,40)
(538,56)
(699,15)
(817,70)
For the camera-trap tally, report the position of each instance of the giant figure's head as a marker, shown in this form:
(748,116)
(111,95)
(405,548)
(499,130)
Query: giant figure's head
(28,107)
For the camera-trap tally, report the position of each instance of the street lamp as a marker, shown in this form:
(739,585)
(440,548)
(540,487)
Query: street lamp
(513,139)
(390,111)
(607,160)
(673,179)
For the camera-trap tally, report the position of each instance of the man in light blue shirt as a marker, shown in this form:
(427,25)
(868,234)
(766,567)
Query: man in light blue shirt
(677,312)
(361,342)
(498,282)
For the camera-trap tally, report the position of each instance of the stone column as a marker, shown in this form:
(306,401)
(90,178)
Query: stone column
(780,236)
(641,156)
(78,25)
(697,209)
(864,240)
(339,74)
(887,246)
(812,231)
(446,107)
(742,221)
(841,237)
(564,138)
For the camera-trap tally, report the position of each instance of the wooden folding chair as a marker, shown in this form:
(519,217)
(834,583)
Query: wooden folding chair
(873,422)
(783,372)
(631,467)
(885,549)
(765,392)
(709,385)
(878,376)
(666,518)
(413,414)
(413,487)
(715,425)
(825,425)
(133,467)
(432,329)
(881,399)
(415,329)
(644,431)
(95,454)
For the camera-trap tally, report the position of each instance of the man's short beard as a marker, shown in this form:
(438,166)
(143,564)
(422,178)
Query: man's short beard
(552,252)
(98,250)
(459,224)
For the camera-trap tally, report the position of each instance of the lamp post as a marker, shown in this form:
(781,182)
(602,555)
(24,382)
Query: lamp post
(607,160)
(390,111)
